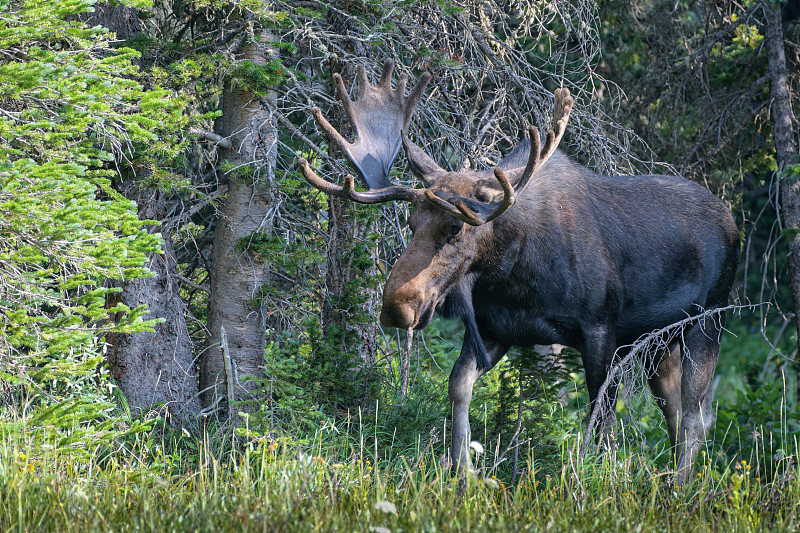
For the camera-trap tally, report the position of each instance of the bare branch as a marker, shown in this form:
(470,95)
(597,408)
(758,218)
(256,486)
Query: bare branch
(213,137)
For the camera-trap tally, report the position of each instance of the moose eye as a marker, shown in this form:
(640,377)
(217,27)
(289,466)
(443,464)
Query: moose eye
(455,229)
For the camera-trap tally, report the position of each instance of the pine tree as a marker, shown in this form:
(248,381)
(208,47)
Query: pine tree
(71,116)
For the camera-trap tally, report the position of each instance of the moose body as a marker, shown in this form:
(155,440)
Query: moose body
(589,261)
(596,251)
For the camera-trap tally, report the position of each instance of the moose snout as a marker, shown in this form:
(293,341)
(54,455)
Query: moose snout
(402,307)
(398,316)
(407,310)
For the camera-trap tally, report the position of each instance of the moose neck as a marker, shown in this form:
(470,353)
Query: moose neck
(458,304)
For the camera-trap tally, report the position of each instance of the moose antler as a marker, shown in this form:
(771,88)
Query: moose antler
(379,116)
(465,209)
(536,159)
(374,196)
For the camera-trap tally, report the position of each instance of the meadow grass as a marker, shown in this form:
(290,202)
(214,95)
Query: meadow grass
(67,468)
(344,480)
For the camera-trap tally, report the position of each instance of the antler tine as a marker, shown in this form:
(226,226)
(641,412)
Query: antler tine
(363,79)
(413,98)
(509,196)
(332,132)
(457,206)
(386,75)
(347,190)
(534,159)
(537,158)
(401,85)
(347,103)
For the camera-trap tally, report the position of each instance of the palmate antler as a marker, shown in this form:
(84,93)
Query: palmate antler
(381,117)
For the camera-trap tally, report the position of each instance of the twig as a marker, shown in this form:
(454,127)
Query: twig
(213,137)
(192,284)
(406,364)
(636,349)
(293,129)
(226,355)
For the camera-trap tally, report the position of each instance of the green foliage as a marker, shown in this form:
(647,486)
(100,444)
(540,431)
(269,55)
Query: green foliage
(291,257)
(762,425)
(258,79)
(287,400)
(72,114)
(757,407)
(345,379)
(694,75)
(789,234)
(71,104)
(304,12)
(341,478)
(449,8)
(342,379)
(791,173)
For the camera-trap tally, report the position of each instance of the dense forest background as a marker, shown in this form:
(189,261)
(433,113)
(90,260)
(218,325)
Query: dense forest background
(176,301)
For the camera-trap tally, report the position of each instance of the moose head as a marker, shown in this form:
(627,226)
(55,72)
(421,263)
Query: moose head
(450,216)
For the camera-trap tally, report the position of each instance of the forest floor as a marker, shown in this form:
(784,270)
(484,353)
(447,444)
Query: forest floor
(385,470)
(354,486)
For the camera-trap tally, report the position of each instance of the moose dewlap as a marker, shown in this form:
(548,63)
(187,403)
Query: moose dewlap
(541,250)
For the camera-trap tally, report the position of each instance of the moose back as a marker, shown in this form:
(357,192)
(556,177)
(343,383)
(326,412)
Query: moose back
(541,250)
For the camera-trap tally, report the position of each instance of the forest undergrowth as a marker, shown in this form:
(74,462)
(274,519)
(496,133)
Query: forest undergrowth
(110,123)
(385,469)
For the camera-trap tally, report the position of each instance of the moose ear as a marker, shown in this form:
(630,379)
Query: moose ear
(422,166)
(488,195)
(517,158)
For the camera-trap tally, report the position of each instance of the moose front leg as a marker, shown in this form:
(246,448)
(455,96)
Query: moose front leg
(463,377)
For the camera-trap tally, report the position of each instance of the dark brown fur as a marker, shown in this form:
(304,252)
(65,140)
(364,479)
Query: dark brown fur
(551,253)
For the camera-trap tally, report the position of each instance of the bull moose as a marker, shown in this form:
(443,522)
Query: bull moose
(541,250)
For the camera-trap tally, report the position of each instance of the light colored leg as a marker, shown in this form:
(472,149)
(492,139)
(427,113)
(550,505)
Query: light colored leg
(463,377)
(666,387)
(700,354)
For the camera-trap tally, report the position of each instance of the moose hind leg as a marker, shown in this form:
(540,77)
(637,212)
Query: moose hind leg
(700,347)
(597,354)
(666,386)
(463,377)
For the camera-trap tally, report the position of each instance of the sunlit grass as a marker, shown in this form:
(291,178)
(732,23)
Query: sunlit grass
(342,480)
(387,470)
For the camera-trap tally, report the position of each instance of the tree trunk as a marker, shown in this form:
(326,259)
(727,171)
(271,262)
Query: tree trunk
(346,239)
(155,370)
(122,20)
(238,275)
(785,148)
(350,310)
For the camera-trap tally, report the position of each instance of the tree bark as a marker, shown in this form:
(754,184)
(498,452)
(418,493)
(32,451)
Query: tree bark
(122,20)
(345,234)
(155,370)
(785,148)
(237,275)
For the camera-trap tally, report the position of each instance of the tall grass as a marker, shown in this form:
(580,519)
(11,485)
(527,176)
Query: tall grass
(66,468)
(354,476)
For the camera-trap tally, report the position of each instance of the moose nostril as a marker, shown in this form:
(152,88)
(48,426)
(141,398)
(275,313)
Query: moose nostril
(401,317)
